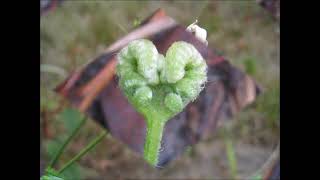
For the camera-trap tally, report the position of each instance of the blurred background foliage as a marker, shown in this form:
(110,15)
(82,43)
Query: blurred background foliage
(78,31)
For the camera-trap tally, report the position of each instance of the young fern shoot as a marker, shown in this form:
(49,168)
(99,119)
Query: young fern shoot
(159,87)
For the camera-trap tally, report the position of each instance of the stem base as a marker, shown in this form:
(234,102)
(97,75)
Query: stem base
(153,141)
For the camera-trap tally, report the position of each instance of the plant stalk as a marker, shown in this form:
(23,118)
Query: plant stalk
(153,141)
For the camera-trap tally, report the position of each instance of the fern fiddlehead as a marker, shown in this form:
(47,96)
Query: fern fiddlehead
(159,87)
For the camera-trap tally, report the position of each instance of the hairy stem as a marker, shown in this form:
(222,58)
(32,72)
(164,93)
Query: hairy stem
(153,140)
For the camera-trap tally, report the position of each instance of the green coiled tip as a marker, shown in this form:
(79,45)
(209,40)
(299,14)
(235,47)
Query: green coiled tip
(158,86)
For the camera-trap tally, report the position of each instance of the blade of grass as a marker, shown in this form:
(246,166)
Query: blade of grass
(231,155)
(59,152)
(83,151)
(256,177)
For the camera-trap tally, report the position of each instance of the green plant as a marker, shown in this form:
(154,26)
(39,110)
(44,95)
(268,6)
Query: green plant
(231,155)
(160,87)
(51,173)
(256,177)
(250,65)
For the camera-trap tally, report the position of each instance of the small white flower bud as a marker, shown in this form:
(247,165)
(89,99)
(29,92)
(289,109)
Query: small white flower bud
(199,32)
